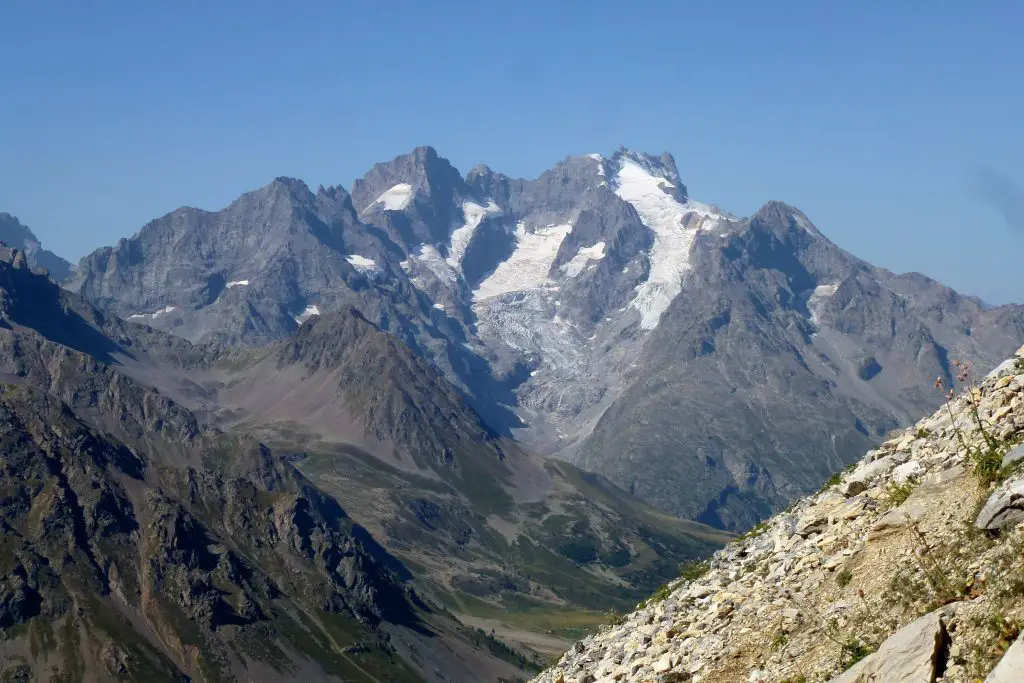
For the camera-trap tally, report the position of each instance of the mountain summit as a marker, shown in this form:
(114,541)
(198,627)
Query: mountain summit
(18,236)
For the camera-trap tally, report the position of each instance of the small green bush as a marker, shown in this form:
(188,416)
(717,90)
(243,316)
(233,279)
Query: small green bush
(897,494)
(852,651)
(694,569)
(660,595)
(844,578)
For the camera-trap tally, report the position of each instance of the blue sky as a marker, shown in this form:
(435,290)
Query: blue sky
(896,126)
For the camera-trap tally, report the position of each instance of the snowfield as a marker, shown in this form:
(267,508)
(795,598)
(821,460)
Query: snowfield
(583,258)
(474,214)
(528,266)
(674,237)
(818,297)
(154,315)
(361,263)
(310,311)
(394,199)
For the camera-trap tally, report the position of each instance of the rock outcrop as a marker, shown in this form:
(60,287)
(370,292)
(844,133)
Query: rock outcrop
(907,567)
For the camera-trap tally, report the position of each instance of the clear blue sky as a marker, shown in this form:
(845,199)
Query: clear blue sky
(896,126)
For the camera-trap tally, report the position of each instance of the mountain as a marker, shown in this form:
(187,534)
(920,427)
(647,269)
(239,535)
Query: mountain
(278,470)
(143,544)
(906,567)
(18,236)
(712,365)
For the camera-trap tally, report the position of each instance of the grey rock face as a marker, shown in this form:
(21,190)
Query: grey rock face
(713,365)
(1011,666)
(1004,508)
(18,236)
(910,655)
(1013,456)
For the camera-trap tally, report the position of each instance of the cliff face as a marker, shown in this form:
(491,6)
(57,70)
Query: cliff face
(906,567)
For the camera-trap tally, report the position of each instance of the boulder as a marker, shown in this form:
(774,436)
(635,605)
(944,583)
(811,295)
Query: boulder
(1010,668)
(1004,508)
(1015,455)
(907,471)
(914,509)
(911,655)
(862,477)
(1006,367)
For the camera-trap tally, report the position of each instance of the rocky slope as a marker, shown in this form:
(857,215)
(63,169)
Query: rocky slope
(142,544)
(906,567)
(18,236)
(490,529)
(596,313)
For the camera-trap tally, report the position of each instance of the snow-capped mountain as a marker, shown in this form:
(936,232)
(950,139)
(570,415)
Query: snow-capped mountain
(713,365)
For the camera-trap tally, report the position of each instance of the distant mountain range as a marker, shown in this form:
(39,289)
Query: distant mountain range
(712,365)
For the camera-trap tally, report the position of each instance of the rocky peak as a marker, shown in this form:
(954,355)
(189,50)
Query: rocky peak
(416,198)
(16,235)
(663,167)
(782,218)
(423,171)
(393,393)
(486,183)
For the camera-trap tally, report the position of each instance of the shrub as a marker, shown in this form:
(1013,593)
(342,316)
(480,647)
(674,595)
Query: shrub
(694,569)
(897,494)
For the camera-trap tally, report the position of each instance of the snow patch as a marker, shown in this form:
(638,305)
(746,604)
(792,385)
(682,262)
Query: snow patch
(152,316)
(310,311)
(473,215)
(586,254)
(818,296)
(361,263)
(237,283)
(528,266)
(394,199)
(805,224)
(439,307)
(431,259)
(674,237)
